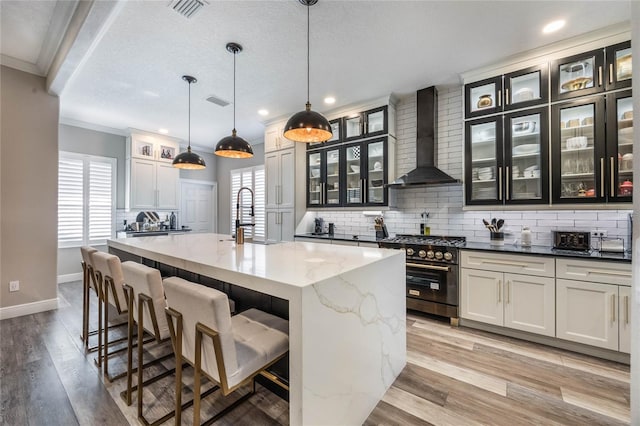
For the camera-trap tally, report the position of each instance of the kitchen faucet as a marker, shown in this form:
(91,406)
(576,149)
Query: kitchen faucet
(239,231)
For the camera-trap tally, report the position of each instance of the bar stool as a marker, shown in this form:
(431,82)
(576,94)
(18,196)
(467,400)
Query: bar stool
(88,282)
(110,281)
(235,350)
(146,305)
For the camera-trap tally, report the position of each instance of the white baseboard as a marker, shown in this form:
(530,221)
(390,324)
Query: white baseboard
(67,278)
(28,308)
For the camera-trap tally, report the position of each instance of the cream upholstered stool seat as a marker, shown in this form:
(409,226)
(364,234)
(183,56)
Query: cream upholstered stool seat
(228,350)
(146,306)
(110,281)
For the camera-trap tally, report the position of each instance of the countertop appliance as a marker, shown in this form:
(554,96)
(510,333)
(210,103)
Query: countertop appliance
(572,240)
(432,272)
(318,226)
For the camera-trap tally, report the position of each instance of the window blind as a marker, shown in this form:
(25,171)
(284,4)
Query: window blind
(86,199)
(254,178)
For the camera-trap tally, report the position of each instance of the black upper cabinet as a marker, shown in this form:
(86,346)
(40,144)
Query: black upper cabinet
(336,130)
(484,161)
(526,88)
(483,97)
(618,68)
(577,75)
(365,124)
(620,146)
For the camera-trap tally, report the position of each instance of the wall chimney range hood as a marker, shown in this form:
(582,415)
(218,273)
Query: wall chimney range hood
(426,172)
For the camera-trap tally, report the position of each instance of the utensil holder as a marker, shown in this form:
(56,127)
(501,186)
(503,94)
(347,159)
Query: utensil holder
(497,238)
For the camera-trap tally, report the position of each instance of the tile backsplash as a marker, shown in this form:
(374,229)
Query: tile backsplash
(130,216)
(445,202)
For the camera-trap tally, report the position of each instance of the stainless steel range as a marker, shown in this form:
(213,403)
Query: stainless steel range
(432,272)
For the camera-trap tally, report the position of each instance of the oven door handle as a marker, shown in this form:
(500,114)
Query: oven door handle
(437,268)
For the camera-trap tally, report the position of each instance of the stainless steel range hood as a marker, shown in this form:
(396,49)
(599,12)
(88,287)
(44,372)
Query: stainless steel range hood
(426,171)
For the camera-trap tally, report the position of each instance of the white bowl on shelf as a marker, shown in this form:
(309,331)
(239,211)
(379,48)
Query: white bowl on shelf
(355,168)
(315,173)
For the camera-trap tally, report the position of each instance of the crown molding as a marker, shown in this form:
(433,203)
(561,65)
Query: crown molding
(92,126)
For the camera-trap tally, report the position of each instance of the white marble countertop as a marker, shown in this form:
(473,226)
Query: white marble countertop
(298,264)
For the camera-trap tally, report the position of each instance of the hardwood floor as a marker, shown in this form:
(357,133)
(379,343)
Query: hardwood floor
(454,376)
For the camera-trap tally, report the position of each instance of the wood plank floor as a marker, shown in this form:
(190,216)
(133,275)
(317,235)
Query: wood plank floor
(454,376)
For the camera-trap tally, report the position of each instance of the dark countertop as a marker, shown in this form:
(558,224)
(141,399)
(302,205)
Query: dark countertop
(547,251)
(341,237)
(156,233)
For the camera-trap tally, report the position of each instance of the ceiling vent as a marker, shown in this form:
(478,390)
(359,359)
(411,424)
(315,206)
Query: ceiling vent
(217,101)
(187,8)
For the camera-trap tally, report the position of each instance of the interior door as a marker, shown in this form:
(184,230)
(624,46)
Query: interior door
(198,210)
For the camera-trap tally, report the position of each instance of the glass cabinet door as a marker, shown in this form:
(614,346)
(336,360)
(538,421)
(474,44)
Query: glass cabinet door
(353,127)
(620,145)
(376,172)
(578,160)
(619,66)
(483,97)
(484,161)
(375,121)
(314,178)
(577,75)
(526,171)
(354,181)
(332,186)
(526,87)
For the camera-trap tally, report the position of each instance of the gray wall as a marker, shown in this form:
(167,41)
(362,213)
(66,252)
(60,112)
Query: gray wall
(28,188)
(223,173)
(85,141)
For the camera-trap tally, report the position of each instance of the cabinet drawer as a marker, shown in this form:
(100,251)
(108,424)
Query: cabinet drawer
(513,263)
(594,271)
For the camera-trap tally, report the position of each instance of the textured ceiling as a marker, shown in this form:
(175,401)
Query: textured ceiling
(360,50)
(24,28)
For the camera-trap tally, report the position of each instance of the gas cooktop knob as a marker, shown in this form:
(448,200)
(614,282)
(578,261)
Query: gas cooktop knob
(438,255)
(410,252)
(448,256)
(430,254)
(422,253)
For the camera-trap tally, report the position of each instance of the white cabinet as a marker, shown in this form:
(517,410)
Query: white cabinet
(274,140)
(491,293)
(280,225)
(593,303)
(280,177)
(152,181)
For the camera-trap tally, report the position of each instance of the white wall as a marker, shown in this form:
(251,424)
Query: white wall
(445,202)
(28,188)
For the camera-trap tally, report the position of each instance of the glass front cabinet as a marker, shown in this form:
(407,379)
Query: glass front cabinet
(619,66)
(507,159)
(323,177)
(620,145)
(366,124)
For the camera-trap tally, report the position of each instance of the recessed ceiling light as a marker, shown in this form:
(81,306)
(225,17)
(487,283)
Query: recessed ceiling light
(163,131)
(263,112)
(329,100)
(553,26)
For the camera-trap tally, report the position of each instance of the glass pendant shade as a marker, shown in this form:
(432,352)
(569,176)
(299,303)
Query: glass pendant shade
(234,146)
(308,126)
(189,160)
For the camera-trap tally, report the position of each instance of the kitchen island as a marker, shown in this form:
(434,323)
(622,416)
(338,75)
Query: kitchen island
(347,313)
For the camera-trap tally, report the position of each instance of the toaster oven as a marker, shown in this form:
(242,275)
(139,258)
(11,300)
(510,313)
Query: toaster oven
(572,240)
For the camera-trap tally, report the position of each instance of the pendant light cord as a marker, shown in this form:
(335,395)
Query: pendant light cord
(308,49)
(189,127)
(234,90)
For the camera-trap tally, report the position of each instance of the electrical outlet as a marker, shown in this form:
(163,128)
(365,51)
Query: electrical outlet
(14,286)
(598,233)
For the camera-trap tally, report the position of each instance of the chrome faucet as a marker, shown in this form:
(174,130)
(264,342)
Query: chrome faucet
(239,230)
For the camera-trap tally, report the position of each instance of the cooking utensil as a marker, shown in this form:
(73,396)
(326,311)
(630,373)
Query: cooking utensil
(499,224)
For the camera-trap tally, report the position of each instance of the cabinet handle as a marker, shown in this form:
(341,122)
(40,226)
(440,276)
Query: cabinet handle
(605,272)
(499,291)
(499,98)
(500,183)
(362,190)
(506,96)
(324,195)
(602,177)
(610,73)
(613,308)
(506,262)
(506,192)
(600,75)
(613,185)
(626,309)
(280,218)
(509,291)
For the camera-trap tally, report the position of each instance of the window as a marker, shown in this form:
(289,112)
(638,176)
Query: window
(86,199)
(251,177)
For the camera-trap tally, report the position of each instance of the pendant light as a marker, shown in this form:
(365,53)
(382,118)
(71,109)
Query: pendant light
(307,125)
(234,146)
(189,160)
